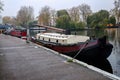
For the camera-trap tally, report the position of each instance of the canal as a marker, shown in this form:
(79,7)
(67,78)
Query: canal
(112,64)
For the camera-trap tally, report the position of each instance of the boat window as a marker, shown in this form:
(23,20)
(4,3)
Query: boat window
(43,38)
(49,39)
(57,41)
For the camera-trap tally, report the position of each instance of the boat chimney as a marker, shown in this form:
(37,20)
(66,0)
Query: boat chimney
(68,32)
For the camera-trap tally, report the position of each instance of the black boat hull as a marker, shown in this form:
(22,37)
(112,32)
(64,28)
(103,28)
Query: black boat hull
(93,52)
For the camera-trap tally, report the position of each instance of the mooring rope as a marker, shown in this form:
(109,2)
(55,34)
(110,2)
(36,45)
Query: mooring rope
(80,50)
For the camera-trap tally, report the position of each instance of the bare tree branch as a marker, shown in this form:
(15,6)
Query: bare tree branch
(25,15)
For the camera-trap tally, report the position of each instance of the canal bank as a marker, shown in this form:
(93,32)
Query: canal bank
(22,61)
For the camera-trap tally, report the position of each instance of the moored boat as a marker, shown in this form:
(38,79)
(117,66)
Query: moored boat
(19,32)
(72,44)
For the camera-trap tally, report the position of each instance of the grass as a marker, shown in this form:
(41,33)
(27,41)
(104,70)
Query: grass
(70,60)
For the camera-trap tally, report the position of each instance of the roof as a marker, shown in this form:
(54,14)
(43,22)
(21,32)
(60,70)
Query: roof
(4,26)
(75,38)
(51,28)
(54,35)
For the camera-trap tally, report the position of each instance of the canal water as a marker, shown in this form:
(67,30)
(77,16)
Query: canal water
(112,64)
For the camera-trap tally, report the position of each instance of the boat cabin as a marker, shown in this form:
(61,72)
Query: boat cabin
(61,38)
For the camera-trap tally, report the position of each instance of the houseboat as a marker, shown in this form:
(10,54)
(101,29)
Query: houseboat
(74,44)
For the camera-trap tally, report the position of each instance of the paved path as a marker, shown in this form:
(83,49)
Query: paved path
(22,61)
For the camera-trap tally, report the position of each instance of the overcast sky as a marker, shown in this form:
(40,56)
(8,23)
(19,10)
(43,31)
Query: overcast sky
(11,7)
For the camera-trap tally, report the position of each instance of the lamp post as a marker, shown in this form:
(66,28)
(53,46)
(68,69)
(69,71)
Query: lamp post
(28,33)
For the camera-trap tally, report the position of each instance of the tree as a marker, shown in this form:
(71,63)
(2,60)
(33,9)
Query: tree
(79,25)
(33,23)
(25,15)
(99,19)
(1,6)
(62,13)
(85,11)
(63,22)
(6,19)
(116,11)
(13,21)
(74,14)
(112,20)
(44,16)
(53,17)
(10,20)
(63,19)
(75,22)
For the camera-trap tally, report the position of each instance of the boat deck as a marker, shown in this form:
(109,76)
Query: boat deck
(22,61)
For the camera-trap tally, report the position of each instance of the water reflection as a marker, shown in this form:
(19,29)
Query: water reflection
(114,38)
(114,59)
(103,64)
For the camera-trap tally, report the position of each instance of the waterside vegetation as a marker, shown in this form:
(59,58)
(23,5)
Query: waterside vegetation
(77,17)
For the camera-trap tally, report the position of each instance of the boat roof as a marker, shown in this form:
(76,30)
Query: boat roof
(54,35)
(63,36)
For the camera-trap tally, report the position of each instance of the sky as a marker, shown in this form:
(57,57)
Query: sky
(11,7)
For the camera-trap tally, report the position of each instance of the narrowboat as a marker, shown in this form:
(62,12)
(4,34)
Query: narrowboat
(72,45)
(19,32)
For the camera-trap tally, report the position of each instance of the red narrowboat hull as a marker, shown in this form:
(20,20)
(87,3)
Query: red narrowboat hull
(19,33)
(94,49)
